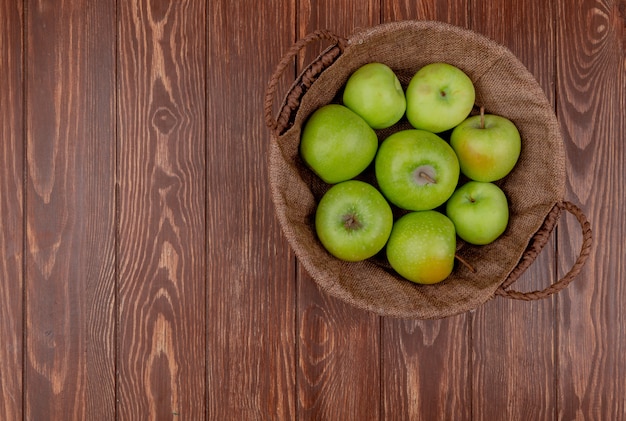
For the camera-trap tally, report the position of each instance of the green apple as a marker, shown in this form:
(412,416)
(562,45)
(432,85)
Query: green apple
(488,146)
(479,211)
(374,92)
(422,246)
(353,220)
(337,144)
(416,169)
(439,97)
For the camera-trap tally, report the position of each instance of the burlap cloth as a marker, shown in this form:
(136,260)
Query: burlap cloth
(535,188)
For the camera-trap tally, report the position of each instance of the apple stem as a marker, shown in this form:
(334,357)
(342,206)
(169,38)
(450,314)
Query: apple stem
(482,117)
(465,263)
(427,177)
(351,222)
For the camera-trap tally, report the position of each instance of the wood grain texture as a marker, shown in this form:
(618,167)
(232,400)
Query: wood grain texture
(426,368)
(161,246)
(70,236)
(338,358)
(591,89)
(69,270)
(513,341)
(341,17)
(11,210)
(251,274)
(338,345)
(455,12)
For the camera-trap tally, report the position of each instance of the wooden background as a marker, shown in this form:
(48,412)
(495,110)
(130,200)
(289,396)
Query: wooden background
(143,274)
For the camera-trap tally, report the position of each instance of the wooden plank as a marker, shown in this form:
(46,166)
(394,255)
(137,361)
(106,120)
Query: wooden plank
(161,251)
(338,345)
(513,341)
(339,358)
(11,210)
(453,12)
(251,273)
(426,369)
(591,86)
(70,211)
(426,362)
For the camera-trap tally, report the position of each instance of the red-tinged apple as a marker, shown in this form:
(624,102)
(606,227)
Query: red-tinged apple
(422,246)
(479,211)
(353,220)
(374,92)
(416,169)
(439,97)
(337,144)
(488,146)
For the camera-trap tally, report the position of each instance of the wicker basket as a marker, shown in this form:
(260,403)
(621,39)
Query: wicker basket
(535,188)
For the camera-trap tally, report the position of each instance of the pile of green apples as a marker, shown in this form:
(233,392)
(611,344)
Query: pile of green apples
(417,170)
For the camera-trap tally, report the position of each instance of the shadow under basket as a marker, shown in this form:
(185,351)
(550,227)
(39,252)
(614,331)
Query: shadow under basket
(535,188)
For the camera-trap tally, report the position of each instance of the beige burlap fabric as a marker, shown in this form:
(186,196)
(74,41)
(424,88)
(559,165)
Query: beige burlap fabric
(504,87)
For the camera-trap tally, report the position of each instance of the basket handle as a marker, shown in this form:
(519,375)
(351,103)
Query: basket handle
(532,252)
(277,124)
